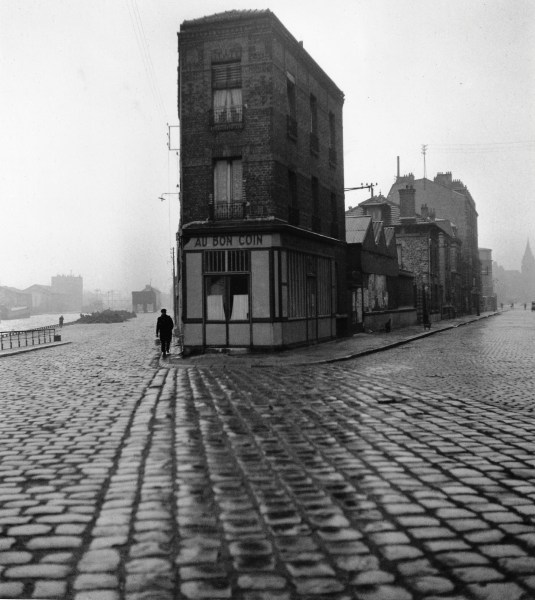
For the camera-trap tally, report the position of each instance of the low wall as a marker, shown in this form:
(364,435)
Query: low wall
(401,317)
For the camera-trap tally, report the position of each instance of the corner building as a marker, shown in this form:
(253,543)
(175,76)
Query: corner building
(262,187)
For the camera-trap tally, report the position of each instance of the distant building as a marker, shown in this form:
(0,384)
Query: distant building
(381,294)
(14,303)
(262,186)
(449,198)
(71,290)
(427,246)
(516,286)
(528,275)
(44,299)
(147,300)
(488,299)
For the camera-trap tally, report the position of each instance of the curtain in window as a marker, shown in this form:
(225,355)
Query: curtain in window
(228,181)
(214,299)
(227,105)
(240,307)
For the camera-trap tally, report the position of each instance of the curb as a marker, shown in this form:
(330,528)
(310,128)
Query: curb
(14,352)
(408,340)
(325,361)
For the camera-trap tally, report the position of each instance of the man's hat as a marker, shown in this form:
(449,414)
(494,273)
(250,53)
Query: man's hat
(163,310)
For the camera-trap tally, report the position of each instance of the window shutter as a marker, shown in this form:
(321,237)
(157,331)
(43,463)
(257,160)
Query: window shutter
(220,181)
(236,181)
(226,75)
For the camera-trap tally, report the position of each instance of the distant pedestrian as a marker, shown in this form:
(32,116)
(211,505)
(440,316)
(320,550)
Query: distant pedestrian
(164,328)
(61,321)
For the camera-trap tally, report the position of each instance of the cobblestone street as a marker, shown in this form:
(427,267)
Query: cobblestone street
(408,474)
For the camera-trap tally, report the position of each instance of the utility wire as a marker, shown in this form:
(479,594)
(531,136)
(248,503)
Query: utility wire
(139,33)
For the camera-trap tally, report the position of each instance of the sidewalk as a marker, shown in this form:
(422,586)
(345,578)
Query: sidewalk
(357,345)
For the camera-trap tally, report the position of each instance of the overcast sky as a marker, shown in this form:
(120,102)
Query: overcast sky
(89,86)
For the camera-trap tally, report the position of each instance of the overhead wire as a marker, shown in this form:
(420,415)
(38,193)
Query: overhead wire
(144,51)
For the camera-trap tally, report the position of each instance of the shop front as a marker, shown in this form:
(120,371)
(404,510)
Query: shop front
(257,289)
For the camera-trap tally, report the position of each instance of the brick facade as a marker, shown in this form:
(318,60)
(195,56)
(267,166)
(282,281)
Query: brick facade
(262,173)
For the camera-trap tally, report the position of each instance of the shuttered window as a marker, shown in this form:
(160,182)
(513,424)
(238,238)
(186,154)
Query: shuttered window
(226,75)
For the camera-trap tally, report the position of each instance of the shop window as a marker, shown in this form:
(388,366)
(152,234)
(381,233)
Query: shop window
(227,298)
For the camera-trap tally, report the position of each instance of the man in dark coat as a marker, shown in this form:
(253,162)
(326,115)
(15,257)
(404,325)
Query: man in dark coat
(164,328)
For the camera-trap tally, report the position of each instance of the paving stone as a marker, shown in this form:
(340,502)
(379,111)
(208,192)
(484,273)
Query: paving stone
(420,567)
(524,564)
(477,574)
(400,552)
(317,586)
(96,581)
(49,589)
(261,582)
(41,571)
(99,561)
(6,543)
(432,585)
(384,592)
(206,590)
(501,550)
(97,595)
(497,591)
(390,538)
(485,537)
(57,557)
(11,589)
(376,577)
(50,542)
(15,558)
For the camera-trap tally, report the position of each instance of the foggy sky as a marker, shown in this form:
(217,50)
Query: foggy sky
(89,86)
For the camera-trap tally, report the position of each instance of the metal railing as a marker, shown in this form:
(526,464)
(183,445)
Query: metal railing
(226,116)
(28,337)
(223,211)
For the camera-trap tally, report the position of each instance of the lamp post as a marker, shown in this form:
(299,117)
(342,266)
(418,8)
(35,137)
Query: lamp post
(176,300)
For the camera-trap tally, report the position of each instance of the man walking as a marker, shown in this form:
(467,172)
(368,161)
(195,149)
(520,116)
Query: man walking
(164,328)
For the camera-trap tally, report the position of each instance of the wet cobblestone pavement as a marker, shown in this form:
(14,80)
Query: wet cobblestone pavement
(408,474)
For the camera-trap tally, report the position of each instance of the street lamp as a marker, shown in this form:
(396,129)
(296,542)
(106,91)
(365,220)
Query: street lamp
(175,294)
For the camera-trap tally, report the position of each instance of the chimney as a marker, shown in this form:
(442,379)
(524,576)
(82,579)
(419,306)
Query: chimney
(424,211)
(444,178)
(407,204)
(398,170)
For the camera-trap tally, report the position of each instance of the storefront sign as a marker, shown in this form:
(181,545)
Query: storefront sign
(242,240)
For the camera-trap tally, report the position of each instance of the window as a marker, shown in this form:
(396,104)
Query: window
(227,288)
(227,93)
(334,216)
(227,298)
(290,89)
(313,114)
(315,196)
(316,222)
(332,131)
(293,210)
(310,281)
(314,140)
(332,140)
(291,121)
(292,187)
(228,187)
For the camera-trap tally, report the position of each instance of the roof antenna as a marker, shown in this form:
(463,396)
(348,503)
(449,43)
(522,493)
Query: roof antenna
(424,151)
